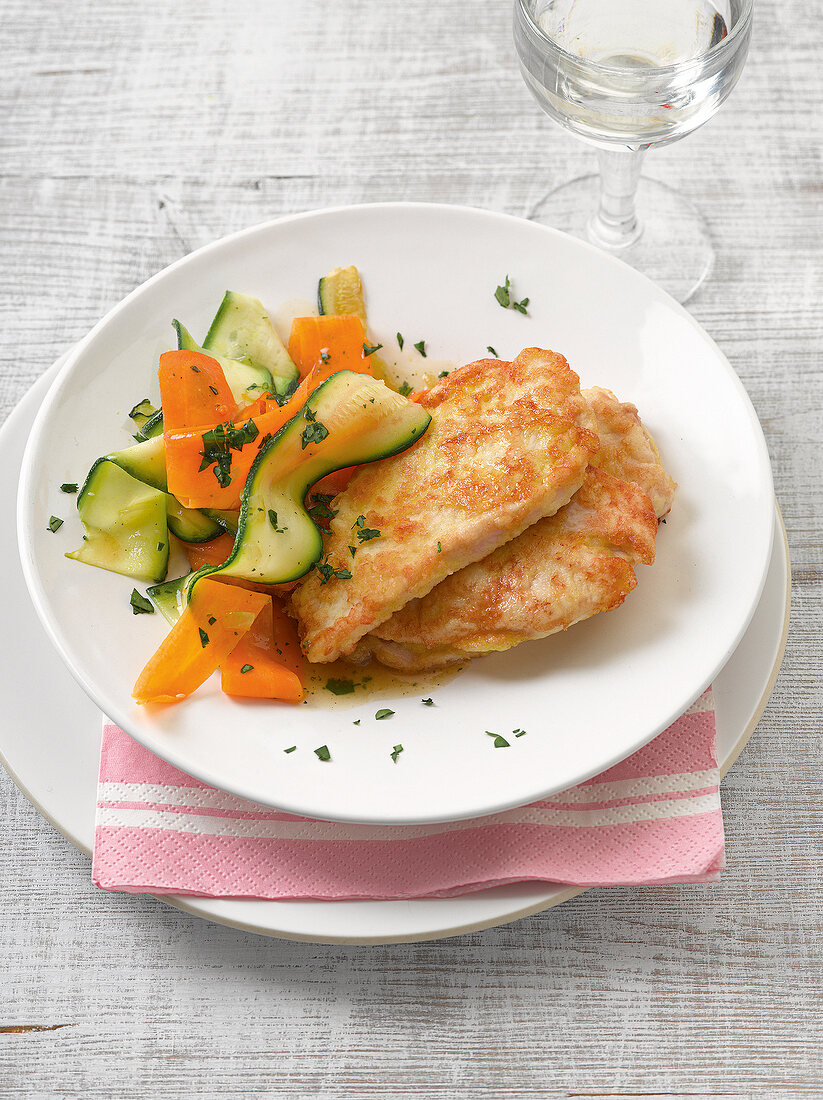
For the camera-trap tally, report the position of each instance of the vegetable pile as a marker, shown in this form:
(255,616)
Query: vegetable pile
(246,429)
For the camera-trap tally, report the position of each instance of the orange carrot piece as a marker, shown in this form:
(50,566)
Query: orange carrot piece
(214,621)
(210,553)
(193,390)
(262,653)
(328,343)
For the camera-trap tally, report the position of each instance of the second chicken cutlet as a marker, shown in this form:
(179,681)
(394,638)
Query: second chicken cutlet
(508,444)
(561,570)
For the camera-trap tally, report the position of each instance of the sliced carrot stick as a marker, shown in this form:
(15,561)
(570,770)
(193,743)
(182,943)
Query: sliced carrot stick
(214,621)
(262,665)
(193,390)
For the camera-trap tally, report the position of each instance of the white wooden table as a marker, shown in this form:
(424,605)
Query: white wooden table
(131,134)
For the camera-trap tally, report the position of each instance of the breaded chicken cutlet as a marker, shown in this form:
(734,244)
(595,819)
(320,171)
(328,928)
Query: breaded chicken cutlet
(508,444)
(558,572)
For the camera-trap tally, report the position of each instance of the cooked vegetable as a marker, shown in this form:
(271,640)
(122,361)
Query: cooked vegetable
(169,598)
(256,667)
(125,524)
(328,344)
(198,484)
(340,292)
(215,619)
(361,420)
(242,331)
(194,390)
(246,382)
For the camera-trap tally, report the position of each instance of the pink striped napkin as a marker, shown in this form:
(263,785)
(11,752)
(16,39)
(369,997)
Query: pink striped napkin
(653,818)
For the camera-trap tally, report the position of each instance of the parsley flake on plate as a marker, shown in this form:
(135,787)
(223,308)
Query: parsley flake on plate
(383,713)
(55,523)
(323,753)
(396,752)
(421,347)
(340,687)
(140,605)
(499,742)
(68,487)
(505,299)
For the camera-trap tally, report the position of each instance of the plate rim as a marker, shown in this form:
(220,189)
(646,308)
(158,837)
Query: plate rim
(190,908)
(204,773)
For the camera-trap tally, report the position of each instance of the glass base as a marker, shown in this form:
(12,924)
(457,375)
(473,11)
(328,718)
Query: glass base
(674,247)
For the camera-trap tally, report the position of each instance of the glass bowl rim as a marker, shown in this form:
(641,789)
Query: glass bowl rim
(725,45)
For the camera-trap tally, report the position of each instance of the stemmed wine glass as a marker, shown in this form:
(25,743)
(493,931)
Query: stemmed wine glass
(626,75)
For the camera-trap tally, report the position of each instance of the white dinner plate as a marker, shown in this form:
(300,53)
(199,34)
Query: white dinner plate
(588,697)
(50,744)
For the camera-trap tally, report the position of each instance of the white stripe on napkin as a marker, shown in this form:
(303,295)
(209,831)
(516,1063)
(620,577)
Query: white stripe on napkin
(113,817)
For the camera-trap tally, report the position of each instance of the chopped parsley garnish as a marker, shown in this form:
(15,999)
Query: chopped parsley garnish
(405,390)
(314,431)
(219,442)
(282,398)
(366,534)
(504,297)
(491,350)
(370,349)
(291,749)
(356,722)
(439,547)
(443,374)
(321,510)
(327,571)
(396,752)
(323,753)
(204,638)
(519,733)
(195,369)
(68,487)
(214,390)
(400,340)
(140,605)
(421,347)
(359,522)
(142,411)
(427,702)
(212,620)
(55,523)
(246,668)
(325,355)
(273,522)
(161,546)
(340,687)
(384,713)
(499,742)
(352,550)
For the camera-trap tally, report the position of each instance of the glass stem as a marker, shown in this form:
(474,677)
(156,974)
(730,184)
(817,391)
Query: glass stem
(615,226)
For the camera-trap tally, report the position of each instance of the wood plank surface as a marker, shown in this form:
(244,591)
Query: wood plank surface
(135,132)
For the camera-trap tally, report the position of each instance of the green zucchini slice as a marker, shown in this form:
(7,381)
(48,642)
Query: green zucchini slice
(341,292)
(152,427)
(349,419)
(242,331)
(125,524)
(169,598)
(147,462)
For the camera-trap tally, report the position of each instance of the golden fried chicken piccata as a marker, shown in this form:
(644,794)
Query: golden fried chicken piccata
(509,444)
